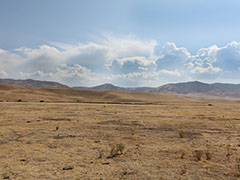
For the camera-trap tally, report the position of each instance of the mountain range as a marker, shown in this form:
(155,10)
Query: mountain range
(194,88)
(33,83)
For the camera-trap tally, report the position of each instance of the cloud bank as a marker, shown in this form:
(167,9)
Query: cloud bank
(124,61)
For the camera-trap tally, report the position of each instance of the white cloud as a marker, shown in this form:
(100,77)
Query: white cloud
(207,53)
(228,57)
(9,62)
(37,74)
(120,60)
(169,73)
(149,78)
(171,57)
(131,65)
(216,62)
(3,73)
(129,47)
(70,75)
(73,74)
(108,49)
(202,66)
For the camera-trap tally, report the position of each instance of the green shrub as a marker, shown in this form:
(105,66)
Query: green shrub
(198,154)
(238,164)
(125,173)
(19,100)
(117,150)
(182,155)
(120,148)
(181,134)
(100,154)
(208,155)
(41,101)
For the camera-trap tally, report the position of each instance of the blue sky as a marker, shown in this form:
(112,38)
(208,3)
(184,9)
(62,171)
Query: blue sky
(127,42)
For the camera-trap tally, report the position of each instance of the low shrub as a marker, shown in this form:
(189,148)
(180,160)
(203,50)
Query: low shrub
(208,155)
(117,150)
(181,134)
(198,154)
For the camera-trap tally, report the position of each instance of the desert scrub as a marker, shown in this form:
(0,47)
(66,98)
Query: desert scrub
(228,146)
(182,154)
(208,155)
(181,134)
(41,101)
(198,154)
(19,100)
(238,164)
(100,154)
(183,170)
(117,150)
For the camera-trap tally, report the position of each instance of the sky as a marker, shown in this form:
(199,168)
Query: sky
(127,42)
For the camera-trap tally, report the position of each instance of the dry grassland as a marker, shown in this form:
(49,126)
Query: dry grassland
(73,141)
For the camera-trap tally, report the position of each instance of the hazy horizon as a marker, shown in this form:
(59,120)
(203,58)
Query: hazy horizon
(122,86)
(125,43)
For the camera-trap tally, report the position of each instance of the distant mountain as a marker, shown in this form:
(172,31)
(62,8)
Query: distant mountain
(197,87)
(194,88)
(12,93)
(32,83)
(108,87)
(178,88)
(112,87)
(186,88)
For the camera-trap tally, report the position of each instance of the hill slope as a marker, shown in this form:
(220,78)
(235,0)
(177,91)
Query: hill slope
(32,83)
(199,89)
(195,88)
(14,93)
(112,87)
(187,88)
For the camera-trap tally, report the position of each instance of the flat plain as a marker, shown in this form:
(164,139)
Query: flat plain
(168,140)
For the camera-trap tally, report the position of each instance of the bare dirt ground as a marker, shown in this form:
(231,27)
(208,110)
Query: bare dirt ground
(162,142)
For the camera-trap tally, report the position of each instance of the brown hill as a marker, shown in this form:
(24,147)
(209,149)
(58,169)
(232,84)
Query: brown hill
(14,93)
(33,83)
(193,89)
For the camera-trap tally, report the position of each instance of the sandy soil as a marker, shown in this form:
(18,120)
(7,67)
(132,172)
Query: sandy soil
(162,142)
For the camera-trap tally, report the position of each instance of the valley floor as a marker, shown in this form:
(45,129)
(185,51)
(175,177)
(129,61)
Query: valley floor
(161,142)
